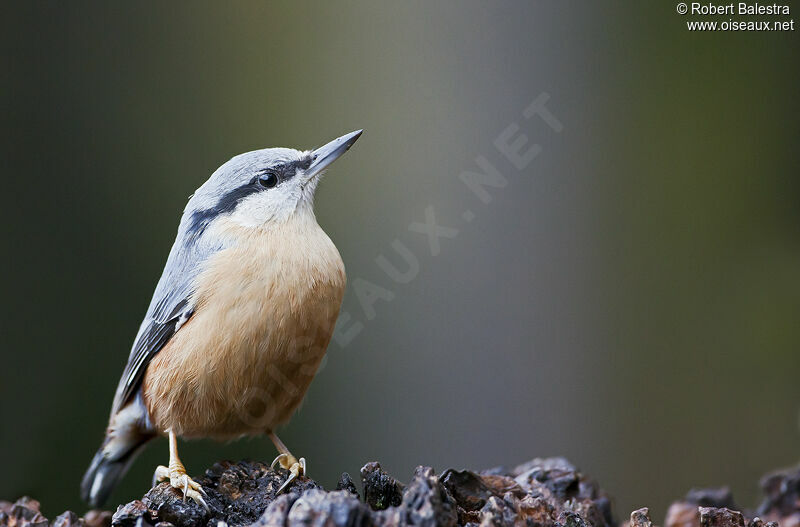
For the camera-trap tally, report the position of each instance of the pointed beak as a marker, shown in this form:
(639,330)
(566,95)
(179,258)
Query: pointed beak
(325,155)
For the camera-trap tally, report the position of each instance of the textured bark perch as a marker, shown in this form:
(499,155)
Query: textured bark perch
(540,493)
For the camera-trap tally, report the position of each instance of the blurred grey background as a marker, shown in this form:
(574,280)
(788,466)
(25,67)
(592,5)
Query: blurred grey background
(629,300)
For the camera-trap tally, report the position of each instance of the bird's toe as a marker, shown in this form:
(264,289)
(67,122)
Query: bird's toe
(161,474)
(296,469)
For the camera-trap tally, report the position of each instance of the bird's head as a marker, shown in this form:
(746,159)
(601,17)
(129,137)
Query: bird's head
(264,187)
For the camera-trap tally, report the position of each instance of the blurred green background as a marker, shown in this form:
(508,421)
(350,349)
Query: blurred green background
(630,300)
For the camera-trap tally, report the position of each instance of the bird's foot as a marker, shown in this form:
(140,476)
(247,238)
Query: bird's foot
(296,468)
(179,479)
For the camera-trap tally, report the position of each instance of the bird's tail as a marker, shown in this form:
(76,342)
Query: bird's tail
(111,462)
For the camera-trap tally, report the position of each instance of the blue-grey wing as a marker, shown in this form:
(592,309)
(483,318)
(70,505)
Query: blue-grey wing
(170,307)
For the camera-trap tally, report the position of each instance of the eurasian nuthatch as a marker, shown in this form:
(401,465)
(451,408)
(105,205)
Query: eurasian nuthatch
(239,320)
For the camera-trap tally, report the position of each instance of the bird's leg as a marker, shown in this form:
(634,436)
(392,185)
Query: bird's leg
(288,461)
(177,476)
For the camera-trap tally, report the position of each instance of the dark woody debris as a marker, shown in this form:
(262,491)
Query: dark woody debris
(714,517)
(640,518)
(540,493)
(380,489)
(782,501)
(346,483)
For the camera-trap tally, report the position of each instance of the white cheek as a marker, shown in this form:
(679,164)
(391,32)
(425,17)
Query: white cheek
(266,206)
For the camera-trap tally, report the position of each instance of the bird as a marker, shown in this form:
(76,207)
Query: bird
(238,323)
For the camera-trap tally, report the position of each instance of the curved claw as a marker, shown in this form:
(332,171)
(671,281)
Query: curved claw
(197,497)
(277,460)
(194,491)
(286,483)
(178,479)
(298,468)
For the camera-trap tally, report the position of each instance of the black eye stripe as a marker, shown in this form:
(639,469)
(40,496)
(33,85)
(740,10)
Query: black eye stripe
(300,164)
(288,170)
(201,218)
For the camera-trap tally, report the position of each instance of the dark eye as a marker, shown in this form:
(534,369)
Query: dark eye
(268,179)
